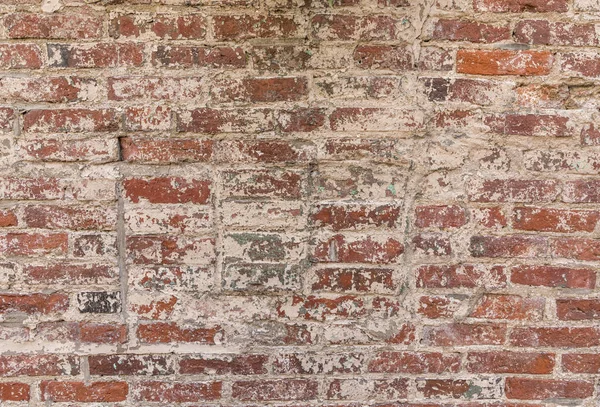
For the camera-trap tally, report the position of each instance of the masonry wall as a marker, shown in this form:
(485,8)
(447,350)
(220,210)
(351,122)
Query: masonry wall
(307,203)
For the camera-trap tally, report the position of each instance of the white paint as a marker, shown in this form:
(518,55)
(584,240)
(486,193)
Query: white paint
(50,6)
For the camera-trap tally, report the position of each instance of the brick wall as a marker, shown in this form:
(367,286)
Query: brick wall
(299,202)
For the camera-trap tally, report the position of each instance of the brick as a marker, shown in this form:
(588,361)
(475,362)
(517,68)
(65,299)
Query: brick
(459,388)
(432,245)
(510,362)
(20,56)
(504,62)
(167,250)
(318,364)
(177,392)
(8,218)
(167,190)
(578,309)
(126,365)
(33,303)
(85,332)
(70,121)
(580,64)
(166,332)
(520,6)
(241,27)
(396,58)
(581,363)
(375,119)
(590,136)
(262,390)
(352,389)
(223,365)
(113,391)
(414,363)
(99,302)
(213,121)
(350,249)
(564,161)
(52,26)
(260,90)
(554,220)
(440,216)
(459,90)
(581,191)
(50,89)
(576,248)
(70,273)
(338,217)
(151,150)
(13,391)
(95,245)
(503,306)
(354,280)
(256,183)
(183,56)
(555,337)
(69,217)
(349,27)
(168,219)
(553,276)
(461,334)
(543,32)
(100,55)
(456,276)
(465,30)
(301,120)
(541,389)
(58,150)
(514,190)
(189,26)
(38,365)
(321,309)
(31,244)
(265,151)
(155,88)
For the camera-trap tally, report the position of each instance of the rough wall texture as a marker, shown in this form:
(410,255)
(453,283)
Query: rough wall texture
(321,203)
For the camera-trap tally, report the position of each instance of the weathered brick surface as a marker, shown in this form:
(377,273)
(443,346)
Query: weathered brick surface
(299,203)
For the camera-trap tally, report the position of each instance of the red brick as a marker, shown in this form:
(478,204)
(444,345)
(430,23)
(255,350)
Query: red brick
(155,88)
(465,30)
(33,303)
(396,58)
(100,55)
(347,249)
(414,363)
(432,245)
(67,273)
(321,309)
(504,62)
(283,184)
(353,28)
(581,363)
(455,276)
(11,391)
(520,6)
(49,89)
(541,389)
(456,388)
(170,249)
(98,392)
(224,365)
(31,189)
(241,27)
(555,337)
(167,190)
(147,119)
(183,56)
(459,90)
(44,149)
(86,332)
(340,217)
(38,365)
(580,64)
(189,26)
(554,220)
(435,59)
(514,190)
(543,32)
(212,121)
(150,150)
(117,365)
(440,306)
(20,56)
(553,276)
(529,125)
(578,309)
(576,248)
(590,135)
(361,280)
(29,244)
(70,217)
(260,90)
(301,120)
(582,191)
(8,218)
(177,392)
(265,151)
(344,363)
(52,26)
(263,390)
(70,121)
(460,334)
(440,216)
(166,332)
(504,306)
(510,362)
